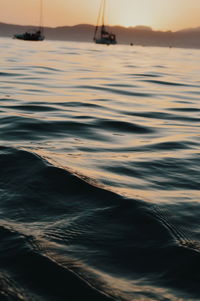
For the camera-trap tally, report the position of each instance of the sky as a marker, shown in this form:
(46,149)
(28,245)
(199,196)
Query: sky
(158,14)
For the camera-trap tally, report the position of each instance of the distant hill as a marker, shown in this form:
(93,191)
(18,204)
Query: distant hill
(138,35)
(196,29)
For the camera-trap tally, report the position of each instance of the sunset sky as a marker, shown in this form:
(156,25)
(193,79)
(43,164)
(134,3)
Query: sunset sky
(159,14)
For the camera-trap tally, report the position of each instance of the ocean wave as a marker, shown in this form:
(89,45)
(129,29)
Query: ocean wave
(99,173)
(53,220)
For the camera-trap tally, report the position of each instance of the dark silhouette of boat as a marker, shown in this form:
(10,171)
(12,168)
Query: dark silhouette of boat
(28,36)
(101,35)
(33,36)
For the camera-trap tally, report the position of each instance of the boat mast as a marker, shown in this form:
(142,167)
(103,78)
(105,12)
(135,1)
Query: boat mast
(98,19)
(103,17)
(103,12)
(41,16)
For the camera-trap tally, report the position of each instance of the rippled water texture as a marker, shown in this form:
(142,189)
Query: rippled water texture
(99,172)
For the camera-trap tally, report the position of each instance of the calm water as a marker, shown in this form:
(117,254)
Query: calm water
(99,172)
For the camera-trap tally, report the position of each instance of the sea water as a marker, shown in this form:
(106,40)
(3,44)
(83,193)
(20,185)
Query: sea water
(99,172)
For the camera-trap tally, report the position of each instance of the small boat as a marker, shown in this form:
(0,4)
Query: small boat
(36,35)
(105,37)
(30,36)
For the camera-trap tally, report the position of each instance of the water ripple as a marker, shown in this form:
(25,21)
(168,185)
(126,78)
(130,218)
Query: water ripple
(99,172)
(115,91)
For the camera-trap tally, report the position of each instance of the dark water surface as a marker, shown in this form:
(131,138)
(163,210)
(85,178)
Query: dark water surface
(99,172)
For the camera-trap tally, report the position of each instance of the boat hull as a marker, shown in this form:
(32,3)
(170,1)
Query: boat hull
(28,37)
(105,42)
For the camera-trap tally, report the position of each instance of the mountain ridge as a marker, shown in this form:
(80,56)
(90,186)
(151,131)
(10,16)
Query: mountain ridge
(137,35)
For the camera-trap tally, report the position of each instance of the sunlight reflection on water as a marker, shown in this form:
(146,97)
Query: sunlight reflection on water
(122,115)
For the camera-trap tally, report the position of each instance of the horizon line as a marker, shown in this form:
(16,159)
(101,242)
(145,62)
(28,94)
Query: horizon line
(139,26)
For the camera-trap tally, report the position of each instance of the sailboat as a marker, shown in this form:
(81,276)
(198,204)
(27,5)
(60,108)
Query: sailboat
(101,35)
(36,35)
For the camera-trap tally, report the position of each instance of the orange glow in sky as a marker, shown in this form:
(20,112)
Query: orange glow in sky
(159,14)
